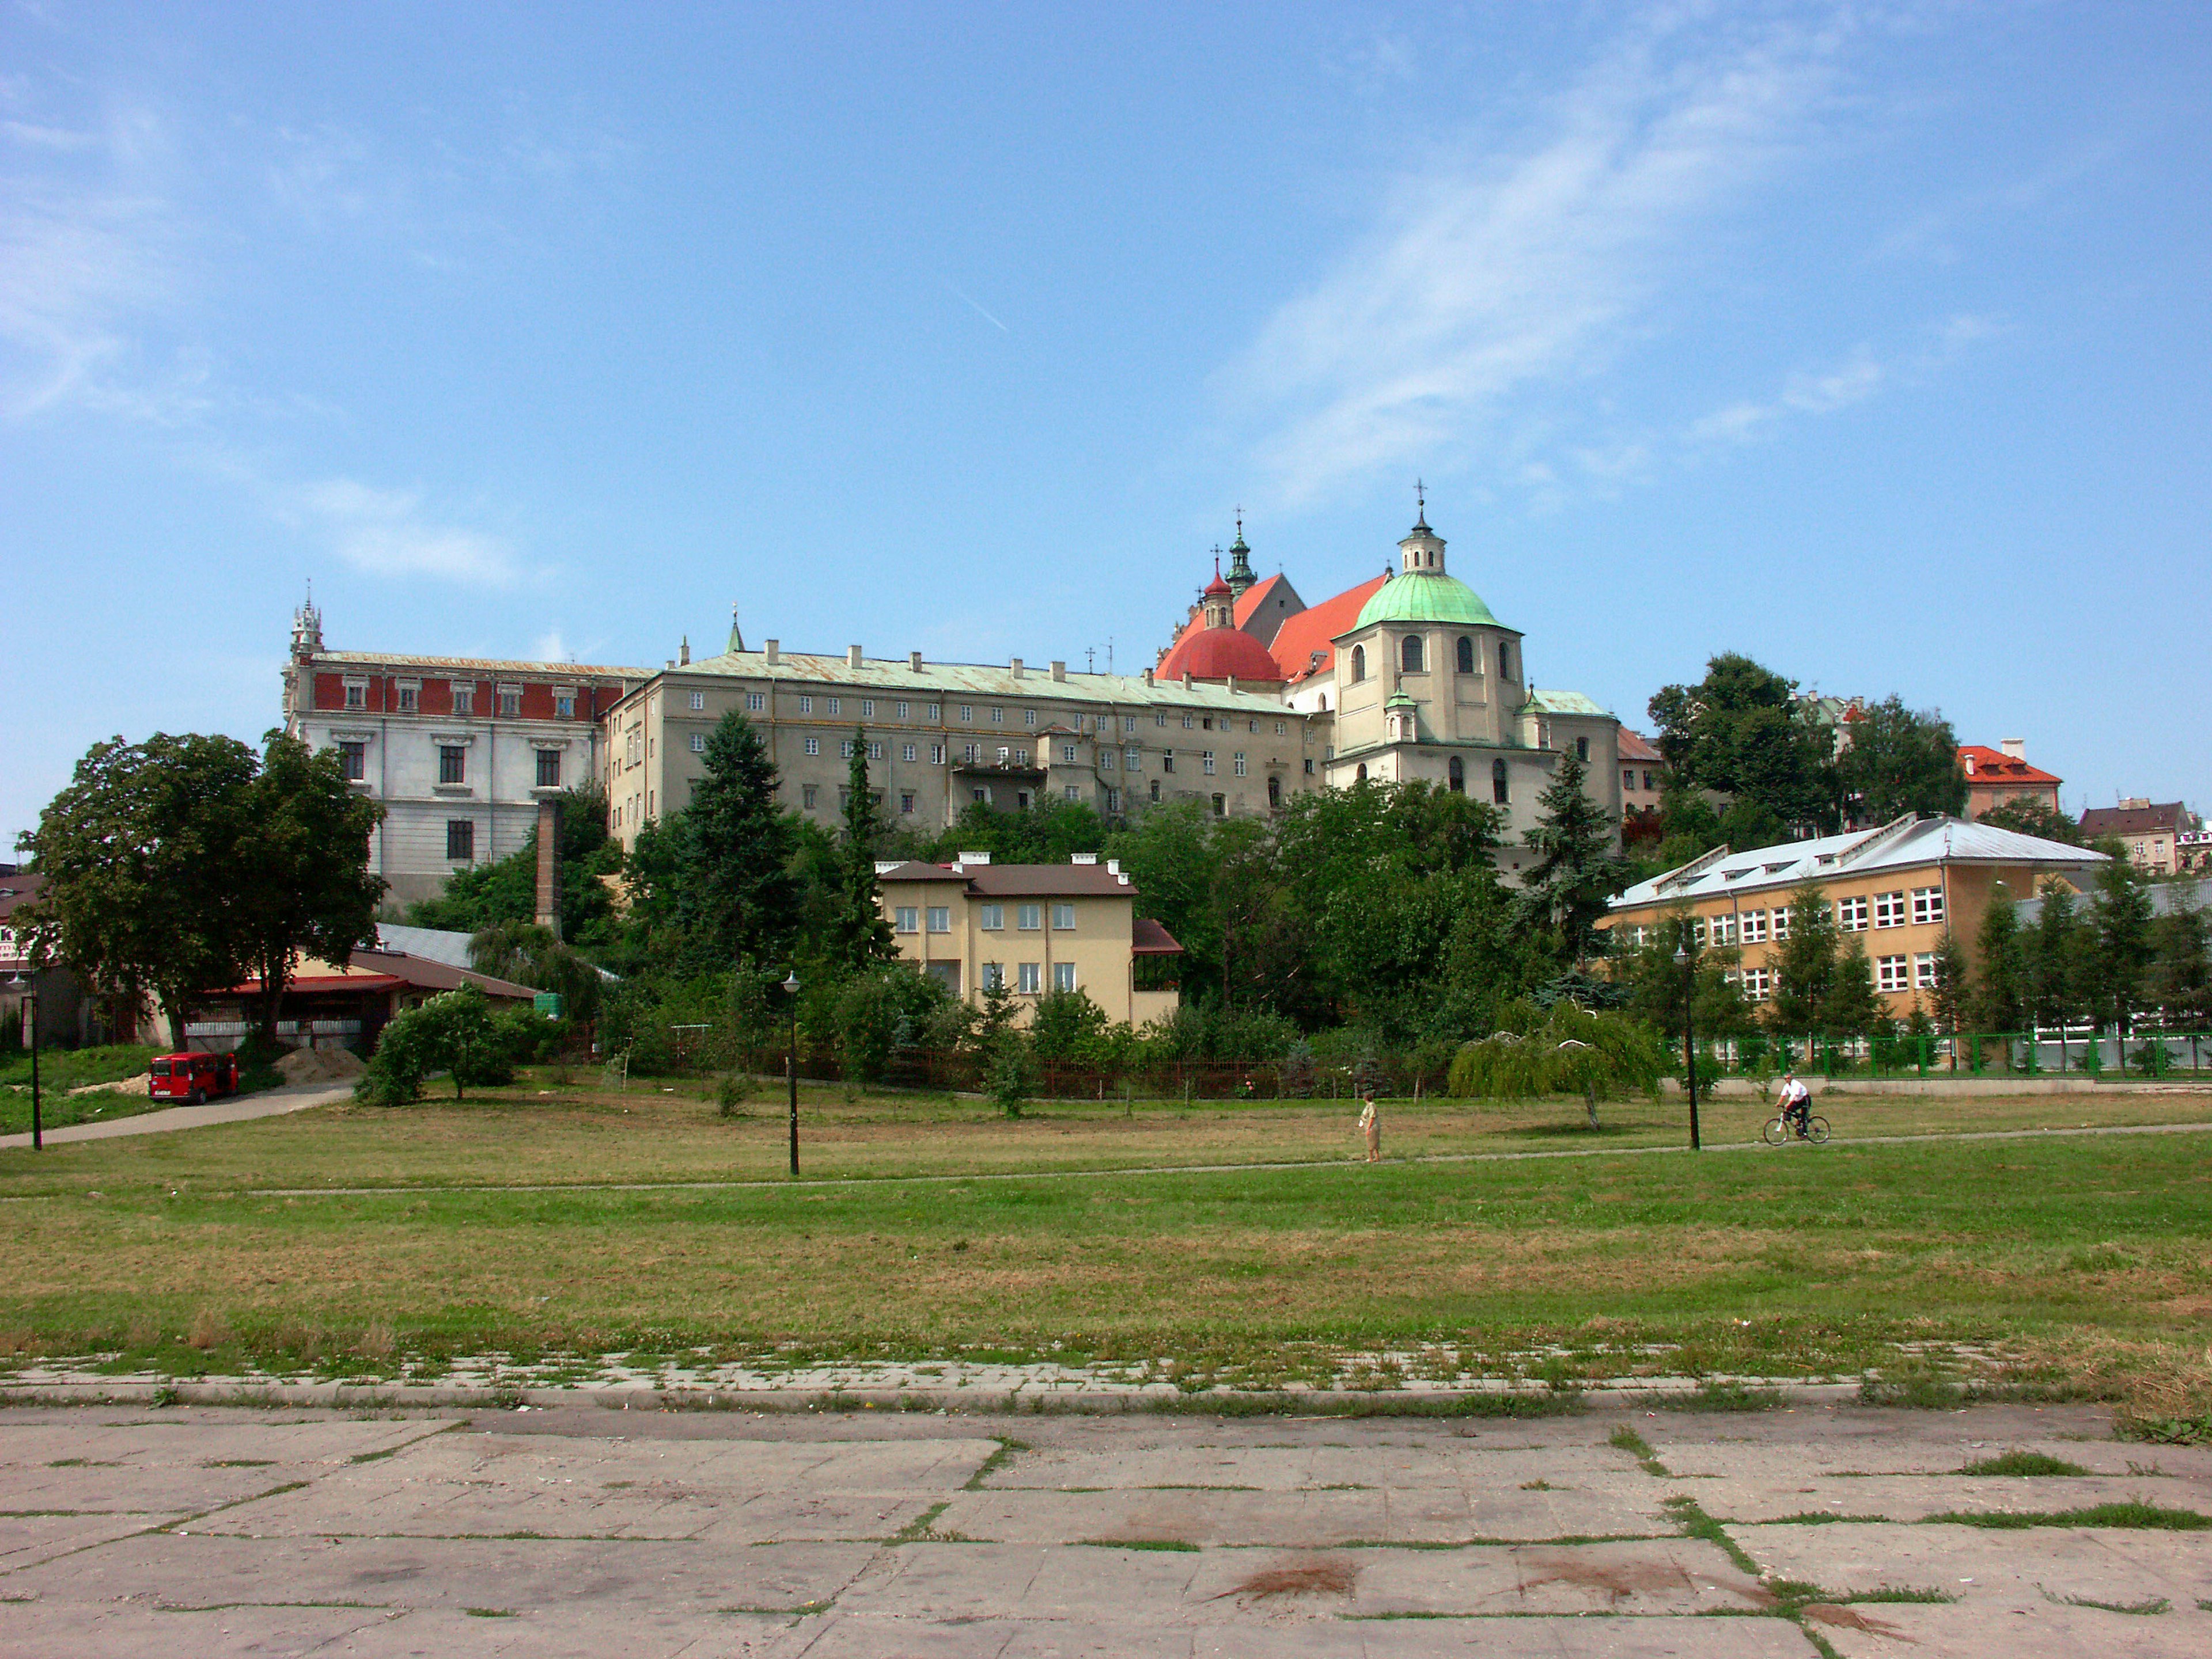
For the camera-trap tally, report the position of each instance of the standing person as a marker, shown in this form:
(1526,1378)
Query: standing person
(1796,1102)
(1371,1126)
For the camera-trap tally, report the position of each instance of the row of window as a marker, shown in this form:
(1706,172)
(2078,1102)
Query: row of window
(1628,777)
(408,700)
(453,764)
(1412,658)
(756,702)
(991,918)
(1029,976)
(1889,909)
(1897,972)
(1923,905)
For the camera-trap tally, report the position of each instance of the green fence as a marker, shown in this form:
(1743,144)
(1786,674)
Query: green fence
(2050,1052)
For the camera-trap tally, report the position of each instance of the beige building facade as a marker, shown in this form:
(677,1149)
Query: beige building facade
(1895,890)
(1034,928)
(942,737)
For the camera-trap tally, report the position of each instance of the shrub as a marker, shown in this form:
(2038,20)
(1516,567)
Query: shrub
(455,1032)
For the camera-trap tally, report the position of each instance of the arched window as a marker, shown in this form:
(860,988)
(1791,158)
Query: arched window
(1499,792)
(1360,777)
(1456,776)
(1504,660)
(1358,663)
(1466,654)
(1274,792)
(1409,654)
(1324,702)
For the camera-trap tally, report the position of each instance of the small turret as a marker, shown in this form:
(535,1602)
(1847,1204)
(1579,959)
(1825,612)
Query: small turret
(736,634)
(307,627)
(1240,560)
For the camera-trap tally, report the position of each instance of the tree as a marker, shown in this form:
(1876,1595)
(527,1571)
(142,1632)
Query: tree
(1951,991)
(859,935)
(1566,888)
(2029,815)
(1852,1007)
(1900,762)
(1805,967)
(527,954)
(711,881)
(1569,1050)
(2121,915)
(2001,994)
(2180,977)
(2057,950)
(142,856)
(488,895)
(1741,731)
(455,1032)
(1067,1025)
(303,881)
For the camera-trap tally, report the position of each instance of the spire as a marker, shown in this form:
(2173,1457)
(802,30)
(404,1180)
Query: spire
(736,635)
(1422,551)
(1421,505)
(307,625)
(1240,560)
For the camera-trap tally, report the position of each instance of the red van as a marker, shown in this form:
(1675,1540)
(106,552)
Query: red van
(195,1077)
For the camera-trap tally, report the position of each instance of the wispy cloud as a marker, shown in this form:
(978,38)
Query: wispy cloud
(384,532)
(1856,379)
(1502,266)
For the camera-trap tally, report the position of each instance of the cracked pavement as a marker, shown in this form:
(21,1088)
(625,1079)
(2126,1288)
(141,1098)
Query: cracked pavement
(579,1529)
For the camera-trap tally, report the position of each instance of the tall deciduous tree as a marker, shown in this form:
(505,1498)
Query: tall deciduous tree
(711,882)
(304,885)
(141,854)
(1566,888)
(1741,731)
(1902,761)
(2030,817)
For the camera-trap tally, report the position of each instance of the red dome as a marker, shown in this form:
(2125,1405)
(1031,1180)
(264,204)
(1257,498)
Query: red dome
(1217,586)
(1216,653)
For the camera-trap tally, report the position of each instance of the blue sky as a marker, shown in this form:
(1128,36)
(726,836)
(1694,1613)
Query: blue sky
(1870,339)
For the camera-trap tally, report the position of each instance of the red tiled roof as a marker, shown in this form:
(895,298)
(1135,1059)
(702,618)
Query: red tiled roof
(1635,746)
(1986,765)
(1312,629)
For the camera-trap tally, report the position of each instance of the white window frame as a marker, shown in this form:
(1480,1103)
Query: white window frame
(1063,976)
(1029,918)
(906,919)
(1927,906)
(1851,913)
(940,918)
(814,745)
(1754,927)
(991,918)
(698,701)
(1923,970)
(1889,909)
(1893,973)
(1063,917)
(1030,979)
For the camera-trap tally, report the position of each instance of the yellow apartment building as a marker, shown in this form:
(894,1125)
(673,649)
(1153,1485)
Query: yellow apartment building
(1896,891)
(1032,927)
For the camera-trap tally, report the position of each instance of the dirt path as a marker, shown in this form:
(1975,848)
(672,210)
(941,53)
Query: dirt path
(273,1103)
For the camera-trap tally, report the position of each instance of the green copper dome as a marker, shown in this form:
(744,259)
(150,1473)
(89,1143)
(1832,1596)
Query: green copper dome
(1421,596)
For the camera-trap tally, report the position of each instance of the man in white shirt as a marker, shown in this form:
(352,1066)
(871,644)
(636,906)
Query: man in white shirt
(1796,1102)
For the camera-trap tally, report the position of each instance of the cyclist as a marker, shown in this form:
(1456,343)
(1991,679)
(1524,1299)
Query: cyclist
(1796,1104)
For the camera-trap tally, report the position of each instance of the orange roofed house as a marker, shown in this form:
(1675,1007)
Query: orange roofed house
(1033,928)
(1996,777)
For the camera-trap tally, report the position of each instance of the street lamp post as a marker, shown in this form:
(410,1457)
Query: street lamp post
(791,1064)
(30,1029)
(1689,1032)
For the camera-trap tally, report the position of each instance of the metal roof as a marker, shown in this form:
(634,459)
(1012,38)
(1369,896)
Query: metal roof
(551,670)
(895,678)
(1905,842)
(1425,596)
(2166,897)
(1551,701)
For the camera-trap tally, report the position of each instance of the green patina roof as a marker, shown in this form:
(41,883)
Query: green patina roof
(1400,699)
(1548,701)
(1419,596)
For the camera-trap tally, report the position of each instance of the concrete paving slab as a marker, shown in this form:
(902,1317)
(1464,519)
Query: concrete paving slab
(1914,1497)
(1864,1441)
(2047,1632)
(1281,1468)
(2025,1568)
(28,1539)
(191,1440)
(91,1630)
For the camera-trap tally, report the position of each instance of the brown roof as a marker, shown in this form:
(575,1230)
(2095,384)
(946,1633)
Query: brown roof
(2130,820)
(1635,746)
(16,889)
(1148,938)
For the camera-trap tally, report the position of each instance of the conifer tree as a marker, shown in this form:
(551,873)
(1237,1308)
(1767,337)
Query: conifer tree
(2180,978)
(2056,948)
(2121,915)
(2001,996)
(860,934)
(713,879)
(1575,870)
(1852,1006)
(1805,967)
(1950,994)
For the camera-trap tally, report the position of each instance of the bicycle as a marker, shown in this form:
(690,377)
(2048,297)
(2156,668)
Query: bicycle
(1778,1131)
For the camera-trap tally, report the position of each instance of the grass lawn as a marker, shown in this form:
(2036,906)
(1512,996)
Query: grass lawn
(61,1070)
(2083,1261)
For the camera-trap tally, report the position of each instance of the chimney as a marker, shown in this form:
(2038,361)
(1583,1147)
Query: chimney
(852,656)
(549,864)
(1185,679)
(1060,670)
(1083,858)
(775,652)
(974,858)
(1148,677)
(884,866)
(913,661)
(671,662)
(1232,685)
(1114,867)
(684,651)
(1017,668)
(2014,748)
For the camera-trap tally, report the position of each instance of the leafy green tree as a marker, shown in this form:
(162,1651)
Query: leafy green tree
(1067,1025)
(1045,833)
(1576,869)
(2002,996)
(2059,952)
(302,878)
(860,934)
(1902,761)
(455,1032)
(1852,1007)
(2121,916)
(1569,1050)
(1742,731)
(2028,815)
(712,883)
(142,854)
(1805,966)
(879,1011)
(526,954)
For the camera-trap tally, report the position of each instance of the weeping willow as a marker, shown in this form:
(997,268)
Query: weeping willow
(1569,1050)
